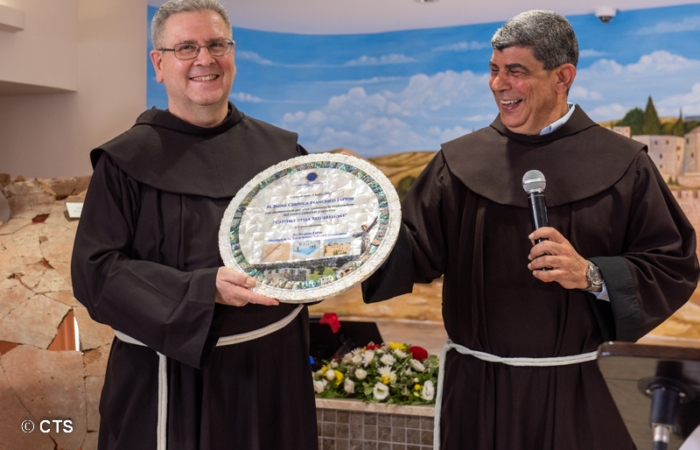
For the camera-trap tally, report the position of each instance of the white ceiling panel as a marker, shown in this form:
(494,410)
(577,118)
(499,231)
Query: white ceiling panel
(373,16)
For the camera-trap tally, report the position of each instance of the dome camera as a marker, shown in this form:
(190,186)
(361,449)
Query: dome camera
(605,13)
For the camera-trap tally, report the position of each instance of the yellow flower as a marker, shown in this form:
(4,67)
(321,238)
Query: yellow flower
(386,379)
(417,387)
(323,370)
(395,346)
(338,377)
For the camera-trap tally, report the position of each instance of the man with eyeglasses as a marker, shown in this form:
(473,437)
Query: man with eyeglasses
(146,262)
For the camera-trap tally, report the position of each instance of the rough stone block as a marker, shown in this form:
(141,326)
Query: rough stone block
(29,198)
(15,259)
(61,186)
(12,415)
(59,216)
(95,361)
(13,225)
(65,297)
(51,386)
(81,186)
(34,322)
(92,334)
(5,179)
(53,281)
(31,274)
(90,441)
(93,391)
(12,294)
(34,234)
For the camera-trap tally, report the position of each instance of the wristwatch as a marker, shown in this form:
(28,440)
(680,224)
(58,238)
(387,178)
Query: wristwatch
(595,280)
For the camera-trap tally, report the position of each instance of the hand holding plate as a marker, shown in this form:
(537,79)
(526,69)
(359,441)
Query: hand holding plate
(233,288)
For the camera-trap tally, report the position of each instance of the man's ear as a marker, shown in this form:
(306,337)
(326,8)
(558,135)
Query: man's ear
(157,60)
(565,77)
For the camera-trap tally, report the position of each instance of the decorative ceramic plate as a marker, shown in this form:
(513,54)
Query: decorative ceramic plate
(311,227)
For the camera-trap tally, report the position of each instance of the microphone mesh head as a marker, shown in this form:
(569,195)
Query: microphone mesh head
(533,181)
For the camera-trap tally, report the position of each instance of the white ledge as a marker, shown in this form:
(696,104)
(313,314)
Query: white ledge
(344,404)
(11,19)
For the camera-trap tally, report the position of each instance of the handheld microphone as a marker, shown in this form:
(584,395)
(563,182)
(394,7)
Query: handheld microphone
(534,184)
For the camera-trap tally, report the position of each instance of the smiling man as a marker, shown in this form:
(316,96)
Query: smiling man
(620,253)
(146,262)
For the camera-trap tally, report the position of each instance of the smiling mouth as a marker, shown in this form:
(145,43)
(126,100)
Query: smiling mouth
(509,105)
(206,78)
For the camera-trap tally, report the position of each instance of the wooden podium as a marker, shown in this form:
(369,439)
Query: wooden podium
(636,374)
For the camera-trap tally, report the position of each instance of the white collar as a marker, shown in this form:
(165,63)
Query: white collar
(550,128)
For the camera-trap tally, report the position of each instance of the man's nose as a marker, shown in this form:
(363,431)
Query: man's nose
(204,58)
(499,82)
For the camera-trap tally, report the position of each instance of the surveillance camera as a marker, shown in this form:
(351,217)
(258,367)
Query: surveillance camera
(605,13)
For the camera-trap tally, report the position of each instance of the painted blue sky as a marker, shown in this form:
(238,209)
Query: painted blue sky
(412,90)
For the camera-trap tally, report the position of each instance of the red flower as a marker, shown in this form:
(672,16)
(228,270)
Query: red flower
(373,347)
(418,353)
(331,319)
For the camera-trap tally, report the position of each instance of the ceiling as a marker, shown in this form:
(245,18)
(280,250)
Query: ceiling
(372,16)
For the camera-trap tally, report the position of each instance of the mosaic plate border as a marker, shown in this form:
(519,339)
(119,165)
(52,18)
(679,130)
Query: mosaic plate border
(307,294)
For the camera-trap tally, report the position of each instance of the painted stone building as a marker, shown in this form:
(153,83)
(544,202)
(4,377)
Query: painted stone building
(691,173)
(675,157)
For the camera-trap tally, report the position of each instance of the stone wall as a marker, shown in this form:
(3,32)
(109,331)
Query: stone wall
(42,377)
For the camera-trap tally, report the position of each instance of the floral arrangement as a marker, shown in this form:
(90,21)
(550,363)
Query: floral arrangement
(396,373)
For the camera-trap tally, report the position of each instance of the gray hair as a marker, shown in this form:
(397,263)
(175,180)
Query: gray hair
(179,6)
(549,35)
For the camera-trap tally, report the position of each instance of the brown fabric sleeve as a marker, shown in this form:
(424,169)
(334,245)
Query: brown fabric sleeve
(658,269)
(168,310)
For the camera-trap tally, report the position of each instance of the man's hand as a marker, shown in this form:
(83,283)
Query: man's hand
(233,288)
(568,268)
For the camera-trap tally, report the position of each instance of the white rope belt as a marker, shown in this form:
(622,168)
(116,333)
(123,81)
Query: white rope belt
(162,430)
(520,362)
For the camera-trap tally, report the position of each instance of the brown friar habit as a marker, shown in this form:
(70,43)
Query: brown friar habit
(145,261)
(466,217)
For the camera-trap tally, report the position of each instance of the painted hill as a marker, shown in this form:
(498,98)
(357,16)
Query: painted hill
(397,166)
(663,120)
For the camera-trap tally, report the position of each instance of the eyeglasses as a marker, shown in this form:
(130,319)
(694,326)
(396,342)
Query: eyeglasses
(191,51)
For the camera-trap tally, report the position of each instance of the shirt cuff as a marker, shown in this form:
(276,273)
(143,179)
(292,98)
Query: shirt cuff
(602,295)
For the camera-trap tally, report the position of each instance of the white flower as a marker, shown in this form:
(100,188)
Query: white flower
(357,359)
(349,386)
(347,358)
(428,391)
(334,364)
(399,354)
(387,375)
(320,385)
(361,374)
(388,360)
(367,357)
(417,365)
(330,374)
(415,380)
(380,391)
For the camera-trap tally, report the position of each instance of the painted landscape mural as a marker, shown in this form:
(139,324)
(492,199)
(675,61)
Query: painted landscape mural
(394,97)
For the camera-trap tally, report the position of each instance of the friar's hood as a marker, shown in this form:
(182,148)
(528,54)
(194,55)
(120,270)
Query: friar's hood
(579,159)
(166,152)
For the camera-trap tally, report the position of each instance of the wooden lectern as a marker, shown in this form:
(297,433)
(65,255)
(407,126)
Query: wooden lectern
(670,376)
